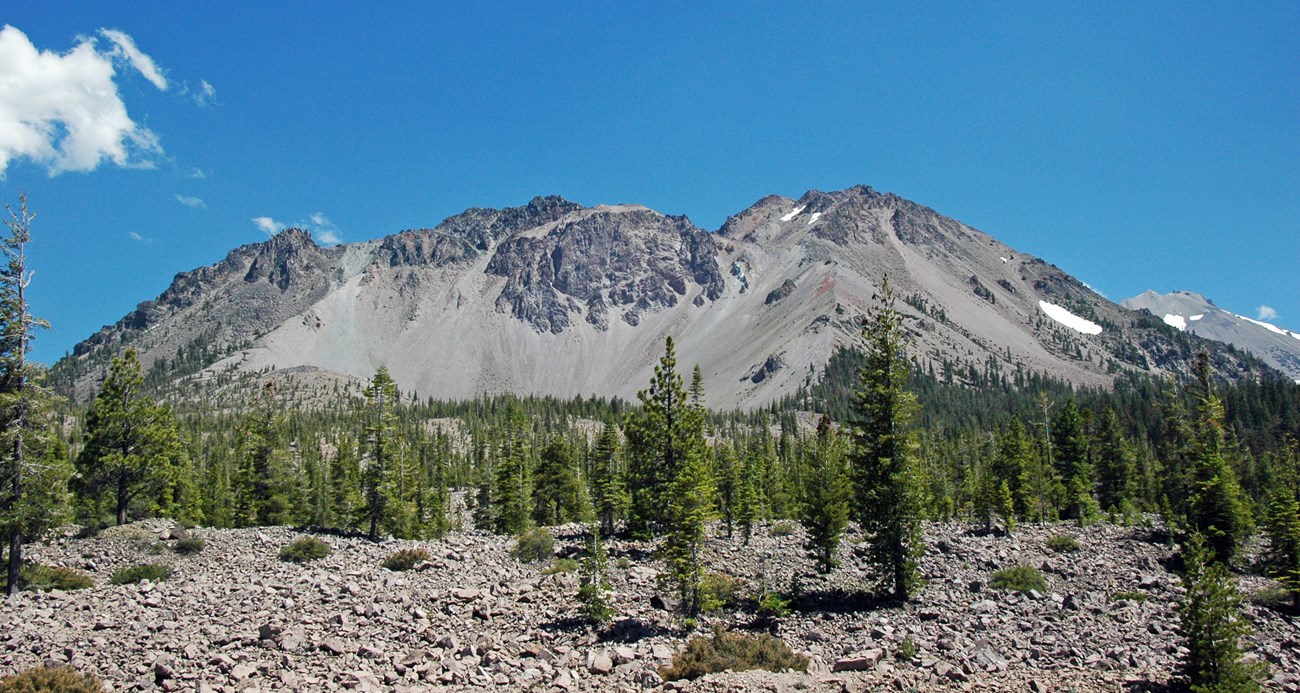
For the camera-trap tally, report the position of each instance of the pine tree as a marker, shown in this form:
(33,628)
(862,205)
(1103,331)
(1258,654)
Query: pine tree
(747,504)
(726,476)
(1115,463)
(344,484)
(261,486)
(608,489)
(555,485)
(690,506)
(382,504)
(512,486)
(888,494)
(661,435)
(1217,509)
(1070,456)
(1212,626)
(132,447)
(593,586)
(1282,525)
(33,464)
(825,510)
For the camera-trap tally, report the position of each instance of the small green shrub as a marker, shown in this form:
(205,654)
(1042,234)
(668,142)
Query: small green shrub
(623,563)
(561,565)
(51,680)
(189,546)
(782,529)
(1020,578)
(718,591)
(305,549)
(406,559)
(1131,596)
(907,649)
(534,545)
(1273,597)
(43,578)
(773,605)
(1062,543)
(146,571)
(726,651)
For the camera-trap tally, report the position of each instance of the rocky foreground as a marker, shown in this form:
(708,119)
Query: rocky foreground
(235,618)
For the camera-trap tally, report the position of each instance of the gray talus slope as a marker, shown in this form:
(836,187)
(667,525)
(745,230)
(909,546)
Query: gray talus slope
(1184,310)
(556,298)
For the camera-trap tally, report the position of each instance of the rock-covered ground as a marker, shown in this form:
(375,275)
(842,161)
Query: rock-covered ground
(235,618)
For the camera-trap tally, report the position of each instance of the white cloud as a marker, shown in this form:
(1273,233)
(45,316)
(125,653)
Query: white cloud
(1266,313)
(63,111)
(138,238)
(194,202)
(196,173)
(206,93)
(268,225)
(324,230)
(124,48)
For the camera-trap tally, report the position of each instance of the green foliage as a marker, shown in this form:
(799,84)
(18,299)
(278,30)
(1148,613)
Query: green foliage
(512,487)
(556,487)
(593,588)
(728,651)
(562,565)
(690,506)
(145,571)
(1062,543)
(888,489)
(1131,596)
(907,649)
(1212,626)
(304,549)
(781,529)
(1019,578)
(827,491)
(609,495)
(43,679)
(1282,525)
(405,559)
(263,486)
(534,545)
(1217,510)
(188,546)
(773,605)
(43,578)
(718,591)
(383,506)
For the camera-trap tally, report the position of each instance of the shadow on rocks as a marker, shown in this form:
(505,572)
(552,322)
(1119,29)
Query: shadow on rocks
(840,601)
(630,630)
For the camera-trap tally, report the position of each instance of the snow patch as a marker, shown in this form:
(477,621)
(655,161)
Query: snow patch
(1069,319)
(1004,260)
(1269,326)
(815,217)
(1194,318)
(1176,321)
(792,215)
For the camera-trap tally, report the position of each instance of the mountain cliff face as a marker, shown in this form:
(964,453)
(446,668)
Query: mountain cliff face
(1196,314)
(557,298)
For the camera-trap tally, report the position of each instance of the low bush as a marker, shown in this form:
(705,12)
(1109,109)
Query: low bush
(773,605)
(51,680)
(562,565)
(906,649)
(782,529)
(1062,543)
(43,578)
(1129,596)
(1020,578)
(406,559)
(1274,597)
(146,571)
(718,591)
(727,651)
(534,545)
(305,549)
(189,546)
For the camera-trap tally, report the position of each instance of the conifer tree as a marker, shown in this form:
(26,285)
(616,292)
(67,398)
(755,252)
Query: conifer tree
(344,484)
(1212,626)
(1217,509)
(726,476)
(661,435)
(1115,464)
(747,504)
(888,494)
(593,586)
(556,486)
(608,489)
(512,486)
(1282,524)
(1070,456)
(132,447)
(33,464)
(378,493)
(690,506)
(261,496)
(825,510)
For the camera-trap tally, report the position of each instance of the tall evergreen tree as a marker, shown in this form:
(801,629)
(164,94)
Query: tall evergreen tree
(1217,508)
(132,446)
(690,506)
(888,494)
(1115,463)
(555,485)
(825,509)
(608,488)
(33,467)
(344,484)
(1212,626)
(661,435)
(378,492)
(261,483)
(726,476)
(1070,455)
(512,487)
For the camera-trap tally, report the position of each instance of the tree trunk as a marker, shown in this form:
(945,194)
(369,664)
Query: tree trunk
(15,560)
(122,498)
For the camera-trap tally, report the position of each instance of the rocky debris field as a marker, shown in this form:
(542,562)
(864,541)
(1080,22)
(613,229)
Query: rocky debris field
(234,617)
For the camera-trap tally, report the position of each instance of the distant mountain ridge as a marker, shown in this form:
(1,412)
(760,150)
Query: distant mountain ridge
(554,297)
(1196,314)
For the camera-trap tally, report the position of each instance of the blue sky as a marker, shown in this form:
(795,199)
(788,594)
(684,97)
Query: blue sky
(1135,145)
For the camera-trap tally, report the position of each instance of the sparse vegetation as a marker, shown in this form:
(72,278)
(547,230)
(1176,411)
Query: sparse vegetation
(773,605)
(406,559)
(153,572)
(305,549)
(718,591)
(561,565)
(43,578)
(51,680)
(1062,543)
(1130,596)
(188,546)
(535,545)
(729,651)
(1019,578)
(782,529)
(906,649)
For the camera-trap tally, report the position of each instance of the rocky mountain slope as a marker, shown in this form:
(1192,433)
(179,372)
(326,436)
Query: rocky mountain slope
(556,298)
(235,618)
(1196,314)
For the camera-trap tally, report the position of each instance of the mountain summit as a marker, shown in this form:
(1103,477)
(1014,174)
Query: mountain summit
(557,298)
